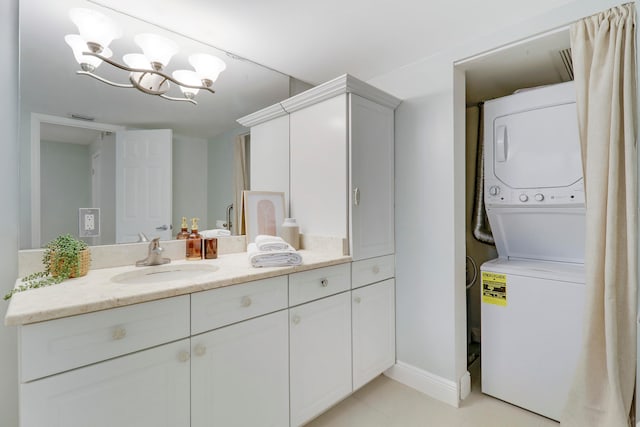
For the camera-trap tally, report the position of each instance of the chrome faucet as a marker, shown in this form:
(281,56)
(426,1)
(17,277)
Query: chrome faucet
(228,223)
(155,255)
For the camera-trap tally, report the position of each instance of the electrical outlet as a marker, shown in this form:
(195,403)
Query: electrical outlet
(89,222)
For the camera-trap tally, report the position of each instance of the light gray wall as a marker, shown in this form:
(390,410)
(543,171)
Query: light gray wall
(190,177)
(65,184)
(430,169)
(9,211)
(221,180)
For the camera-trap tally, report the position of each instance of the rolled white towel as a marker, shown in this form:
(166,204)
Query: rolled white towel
(273,258)
(216,232)
(265,242)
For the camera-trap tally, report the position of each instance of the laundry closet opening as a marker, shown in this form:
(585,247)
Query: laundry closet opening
(537,61)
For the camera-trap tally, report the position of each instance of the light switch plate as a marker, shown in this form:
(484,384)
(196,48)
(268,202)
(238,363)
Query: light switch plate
(88,222)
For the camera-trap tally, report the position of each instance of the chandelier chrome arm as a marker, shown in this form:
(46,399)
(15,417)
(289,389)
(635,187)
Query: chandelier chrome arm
(103,80)
(171,98)
(142,70)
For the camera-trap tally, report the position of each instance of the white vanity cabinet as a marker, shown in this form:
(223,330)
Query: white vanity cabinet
(374,338)
(84,370)
(373,318)
(320,355)
(239,368)
(340,178)
(320,340)
(239,374)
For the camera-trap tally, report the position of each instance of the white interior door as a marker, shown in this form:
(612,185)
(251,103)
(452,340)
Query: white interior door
(143,184)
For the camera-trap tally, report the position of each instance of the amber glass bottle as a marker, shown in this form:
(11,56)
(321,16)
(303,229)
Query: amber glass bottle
(184,232)
(194,242)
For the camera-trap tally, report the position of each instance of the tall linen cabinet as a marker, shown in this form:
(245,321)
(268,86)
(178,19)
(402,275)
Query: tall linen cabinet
(338,178)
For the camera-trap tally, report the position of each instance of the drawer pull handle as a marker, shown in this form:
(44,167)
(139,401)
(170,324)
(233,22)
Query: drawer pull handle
(246,301)
(184,356)
(119,333)
(295,319)
(324,283)
(376,269)
(200,350)
(357,300)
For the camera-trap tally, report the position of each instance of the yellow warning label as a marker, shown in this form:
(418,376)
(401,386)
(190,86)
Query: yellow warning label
(494,288)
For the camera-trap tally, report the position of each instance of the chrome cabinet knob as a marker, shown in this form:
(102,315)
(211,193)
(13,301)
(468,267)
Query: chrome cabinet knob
(357,300)
(376,269)
(295,319)
(246,301)
(184,356)
(324,283)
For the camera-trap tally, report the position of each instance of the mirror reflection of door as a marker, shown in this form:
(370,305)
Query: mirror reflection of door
(143,184)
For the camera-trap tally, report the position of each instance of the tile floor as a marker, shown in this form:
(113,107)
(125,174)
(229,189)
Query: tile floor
(387,403)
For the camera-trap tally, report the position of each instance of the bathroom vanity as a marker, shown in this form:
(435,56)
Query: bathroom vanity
(235,346)
(231,345)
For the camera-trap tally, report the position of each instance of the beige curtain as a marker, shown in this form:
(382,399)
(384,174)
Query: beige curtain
(241,180)
(603,48)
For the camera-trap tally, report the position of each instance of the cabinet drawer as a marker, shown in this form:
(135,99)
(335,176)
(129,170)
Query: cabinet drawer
(372,270)
(67,343)
(219,307)
(321,282)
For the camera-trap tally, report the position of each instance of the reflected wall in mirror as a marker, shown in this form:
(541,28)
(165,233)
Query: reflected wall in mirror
(63,173)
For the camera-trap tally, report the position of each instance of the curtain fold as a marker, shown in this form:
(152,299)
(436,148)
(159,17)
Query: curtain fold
(603,48)
(240,179)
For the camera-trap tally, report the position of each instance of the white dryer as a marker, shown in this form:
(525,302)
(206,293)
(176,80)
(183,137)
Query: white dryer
(533,294)
(534,192)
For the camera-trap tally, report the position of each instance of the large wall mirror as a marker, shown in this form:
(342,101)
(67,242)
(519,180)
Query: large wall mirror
(69,125)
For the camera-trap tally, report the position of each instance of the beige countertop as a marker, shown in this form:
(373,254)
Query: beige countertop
(96,291)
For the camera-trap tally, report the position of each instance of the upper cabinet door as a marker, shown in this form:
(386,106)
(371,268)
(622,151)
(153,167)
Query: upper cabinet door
(319,167)
(372,179)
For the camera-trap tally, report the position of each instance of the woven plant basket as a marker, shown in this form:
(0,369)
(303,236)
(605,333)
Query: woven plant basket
(85,262)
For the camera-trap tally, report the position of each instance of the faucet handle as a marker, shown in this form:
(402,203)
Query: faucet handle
(155,245)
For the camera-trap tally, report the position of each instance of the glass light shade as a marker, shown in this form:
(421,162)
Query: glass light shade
(95,27)
(79,46)
(156,48)
(207,66)
(137,60)
(188,77)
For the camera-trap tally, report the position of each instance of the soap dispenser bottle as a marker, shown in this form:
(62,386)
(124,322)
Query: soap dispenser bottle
(194,242)
(184,232)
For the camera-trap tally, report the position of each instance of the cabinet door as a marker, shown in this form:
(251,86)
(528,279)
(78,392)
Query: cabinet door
(320,346)
(372,179)
(269,165)
(149,388)
(239,374)
(319,167)
(374,332)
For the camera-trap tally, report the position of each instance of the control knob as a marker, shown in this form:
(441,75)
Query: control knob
(494,190)
(523,197)
(539,197)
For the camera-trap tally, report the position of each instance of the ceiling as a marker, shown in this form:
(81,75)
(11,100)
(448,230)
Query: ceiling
(317,41)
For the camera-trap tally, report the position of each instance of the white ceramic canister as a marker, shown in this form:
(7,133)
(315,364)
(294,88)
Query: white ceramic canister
(290,232)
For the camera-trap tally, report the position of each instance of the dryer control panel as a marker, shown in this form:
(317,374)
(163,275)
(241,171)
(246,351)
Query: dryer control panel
(498,194)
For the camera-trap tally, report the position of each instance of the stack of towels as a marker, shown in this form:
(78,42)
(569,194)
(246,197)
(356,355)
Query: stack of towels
(216,232)
(272,251)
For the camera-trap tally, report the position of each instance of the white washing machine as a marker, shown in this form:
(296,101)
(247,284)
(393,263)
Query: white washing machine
(533,294)
(532,315)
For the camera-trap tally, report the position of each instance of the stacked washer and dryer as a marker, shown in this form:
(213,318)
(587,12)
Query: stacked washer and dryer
(533,295)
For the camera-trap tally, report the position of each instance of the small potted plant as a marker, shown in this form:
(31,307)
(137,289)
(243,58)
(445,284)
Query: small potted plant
(64,257)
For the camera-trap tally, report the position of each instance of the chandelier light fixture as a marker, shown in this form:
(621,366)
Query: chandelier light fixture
(146,69)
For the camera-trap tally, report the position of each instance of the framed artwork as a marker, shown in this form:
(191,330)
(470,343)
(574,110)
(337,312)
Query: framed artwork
(263,213)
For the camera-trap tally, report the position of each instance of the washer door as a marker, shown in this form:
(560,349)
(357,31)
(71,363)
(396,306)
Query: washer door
(538,148)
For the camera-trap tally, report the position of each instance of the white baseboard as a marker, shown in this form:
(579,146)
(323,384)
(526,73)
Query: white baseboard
(432,385)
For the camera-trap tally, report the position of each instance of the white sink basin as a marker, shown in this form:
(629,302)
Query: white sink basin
(164,273)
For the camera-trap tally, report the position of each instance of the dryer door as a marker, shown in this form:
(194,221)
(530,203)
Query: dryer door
(538,148)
